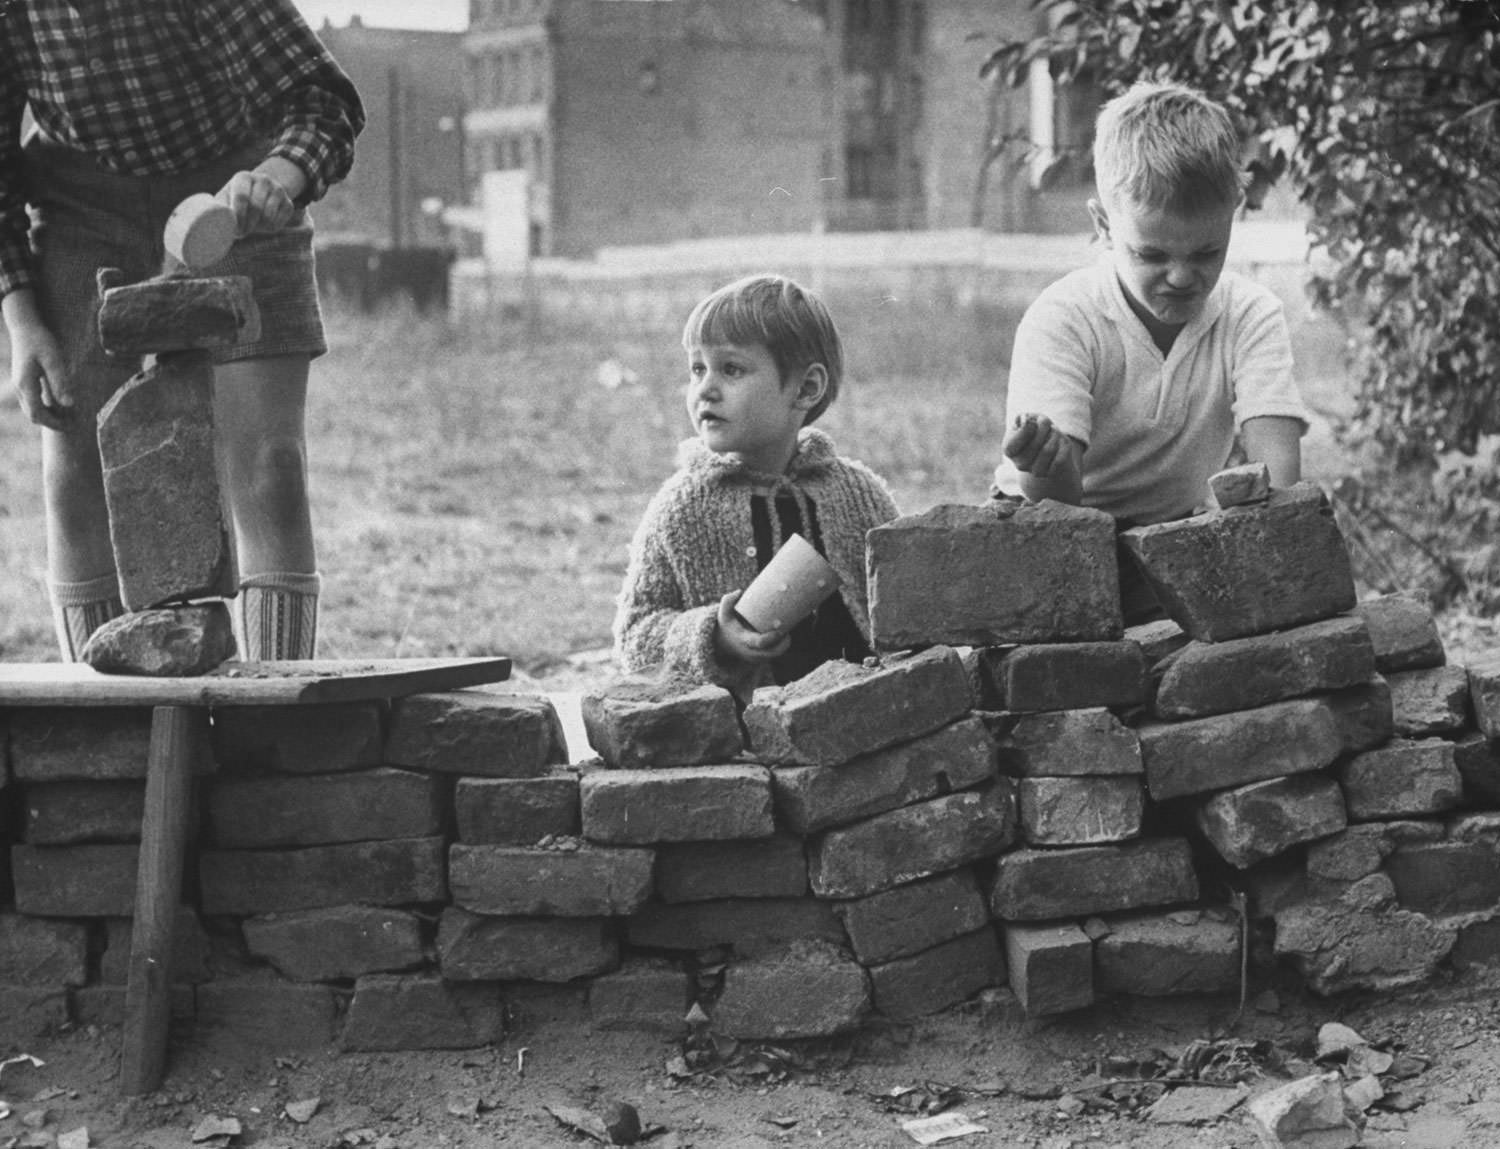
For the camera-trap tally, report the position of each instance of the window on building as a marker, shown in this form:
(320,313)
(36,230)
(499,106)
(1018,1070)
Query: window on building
(538,75)
(1061,127)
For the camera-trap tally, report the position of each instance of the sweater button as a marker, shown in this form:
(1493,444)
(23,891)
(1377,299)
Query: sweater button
(750,550)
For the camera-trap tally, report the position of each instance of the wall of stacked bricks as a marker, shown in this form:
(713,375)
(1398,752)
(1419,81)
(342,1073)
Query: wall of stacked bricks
(1020,798)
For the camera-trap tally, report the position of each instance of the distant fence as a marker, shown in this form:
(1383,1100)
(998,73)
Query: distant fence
(369,275)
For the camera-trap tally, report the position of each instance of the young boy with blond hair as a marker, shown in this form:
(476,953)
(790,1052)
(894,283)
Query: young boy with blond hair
(1135,379)
(764,361)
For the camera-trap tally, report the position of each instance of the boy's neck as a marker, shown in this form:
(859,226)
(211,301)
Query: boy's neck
(1164,335)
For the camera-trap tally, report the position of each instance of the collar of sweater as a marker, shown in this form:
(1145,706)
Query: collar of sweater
(813,456)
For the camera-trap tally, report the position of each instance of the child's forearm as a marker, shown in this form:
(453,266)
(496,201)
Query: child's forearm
(1276,441)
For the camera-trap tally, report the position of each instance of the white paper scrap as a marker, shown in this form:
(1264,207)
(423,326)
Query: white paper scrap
(944,1127)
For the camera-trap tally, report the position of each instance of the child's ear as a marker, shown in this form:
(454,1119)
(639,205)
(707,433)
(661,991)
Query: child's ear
(812,385)
(1101,220)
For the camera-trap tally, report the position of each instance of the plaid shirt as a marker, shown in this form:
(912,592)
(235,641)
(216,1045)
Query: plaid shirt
(156,86)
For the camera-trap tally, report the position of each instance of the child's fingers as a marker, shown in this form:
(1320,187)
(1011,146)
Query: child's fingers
(1046,455)
(1020,438)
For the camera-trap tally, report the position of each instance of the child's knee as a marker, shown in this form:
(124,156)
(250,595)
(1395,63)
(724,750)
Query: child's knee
(276,471)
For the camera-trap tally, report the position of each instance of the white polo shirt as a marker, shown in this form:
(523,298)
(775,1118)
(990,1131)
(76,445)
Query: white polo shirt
(1155,427)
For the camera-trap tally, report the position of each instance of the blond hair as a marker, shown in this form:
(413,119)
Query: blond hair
(786,318)
(1167,146)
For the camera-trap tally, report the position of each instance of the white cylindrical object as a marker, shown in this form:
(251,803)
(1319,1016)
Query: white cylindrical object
(199,232)
(790,587)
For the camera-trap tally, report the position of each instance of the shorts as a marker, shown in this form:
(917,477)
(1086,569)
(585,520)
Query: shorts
(84,219)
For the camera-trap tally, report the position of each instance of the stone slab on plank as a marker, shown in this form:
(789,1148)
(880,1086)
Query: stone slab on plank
(644,722)
(517,811)
(1252,823)
(676,804)
(1079,811)
(1248,570)
(938,977)
(1193,951)
(908,919)
(338,942)
(318,738)
(476,733)
(1038,885)
(804,989)
(420,1011)
(252,812)
(396,872)
(1051,967)
(1403,631)
(1401,779)
(161,485)
(1242,673)
(809,798)
(842,710)
(1059,676)
(178,313)
(64,813)
(913,842)
(774,867)
(589,881)
(965,576)
(477,947)
(166,642)
(1228,750)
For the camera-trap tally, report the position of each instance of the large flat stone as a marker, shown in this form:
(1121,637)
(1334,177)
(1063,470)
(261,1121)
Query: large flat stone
(320,809)
(677,804)
(161,486)
(1248,570)
(590,881)
(961,575)
(475,947)
(1039,885)
(396,872)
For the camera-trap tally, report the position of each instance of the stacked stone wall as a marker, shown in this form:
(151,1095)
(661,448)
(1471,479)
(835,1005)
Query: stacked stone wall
(1020,794)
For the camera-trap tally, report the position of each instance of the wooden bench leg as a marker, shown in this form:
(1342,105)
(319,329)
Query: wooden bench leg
(179,740)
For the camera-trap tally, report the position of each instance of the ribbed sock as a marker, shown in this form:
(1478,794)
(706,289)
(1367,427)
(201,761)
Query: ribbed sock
(276,614)
(80,608)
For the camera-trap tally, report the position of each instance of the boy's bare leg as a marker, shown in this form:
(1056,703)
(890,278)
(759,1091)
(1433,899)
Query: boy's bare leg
(259,407)
(82,583)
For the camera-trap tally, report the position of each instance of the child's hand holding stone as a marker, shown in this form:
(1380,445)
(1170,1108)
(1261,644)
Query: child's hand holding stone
(738,642)
(1034,445)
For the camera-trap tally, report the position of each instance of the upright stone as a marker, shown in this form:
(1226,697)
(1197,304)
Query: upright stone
(645,722)
(1249,570)
(1051,967)
(161,486)
(961,575)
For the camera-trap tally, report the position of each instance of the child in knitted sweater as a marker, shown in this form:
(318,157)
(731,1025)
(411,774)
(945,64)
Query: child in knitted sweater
(764,360)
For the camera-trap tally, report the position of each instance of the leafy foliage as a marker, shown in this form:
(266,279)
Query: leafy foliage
(1384,117)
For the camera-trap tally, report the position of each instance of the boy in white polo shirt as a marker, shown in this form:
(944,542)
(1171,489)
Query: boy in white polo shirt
(1134,380)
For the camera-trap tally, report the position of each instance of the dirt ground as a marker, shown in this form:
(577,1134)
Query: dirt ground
(1040,1084)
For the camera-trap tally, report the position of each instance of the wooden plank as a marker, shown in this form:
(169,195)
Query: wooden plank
(179,738)
(246,683)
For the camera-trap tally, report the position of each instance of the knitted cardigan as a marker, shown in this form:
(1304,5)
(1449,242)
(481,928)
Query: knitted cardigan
(695,544)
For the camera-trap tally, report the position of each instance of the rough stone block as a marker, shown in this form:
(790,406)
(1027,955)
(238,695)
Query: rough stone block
(391,873)
(913,842)
(1157,638)
(1360,939)
(473,947)
(1243,673)
(1403,631)
(1252,823)
(322,809)
(29,1012)
(1362,714)
(1431,701)
(1227,750)
(69,743)
(1310,1111)
(1068,744)
(42,951)
(842,709)
(517,811)
(64,813)
(804,989)
(678,804)
(324,738)
(1038,885)
(1437,878)
(476,732)
(105,1004)
(644,993)
(1240,486)
(266,1012)
(1353,853)
(1248,570)
(1051,967)
(1478,944)
(943,975)
(962,575)
(748,924)
(1484,692)
(420,1011)
(161,485)
(900,922)
(589,881)
(178,313)
(1060,676)
(337,943)
(1079,811)
(83,881)
(1159,955)
(190,949)
(639,723)
(810,798)
(773,867)
(1478,762)
(1401,779)
(168,642)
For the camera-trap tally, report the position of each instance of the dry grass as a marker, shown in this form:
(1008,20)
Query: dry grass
(474,488)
